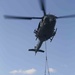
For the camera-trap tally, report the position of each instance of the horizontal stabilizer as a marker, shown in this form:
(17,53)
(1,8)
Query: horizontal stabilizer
(36,51)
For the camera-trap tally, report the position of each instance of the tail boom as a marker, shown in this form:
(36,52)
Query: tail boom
(37,47)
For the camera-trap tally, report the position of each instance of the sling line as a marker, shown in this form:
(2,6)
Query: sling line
(46,61)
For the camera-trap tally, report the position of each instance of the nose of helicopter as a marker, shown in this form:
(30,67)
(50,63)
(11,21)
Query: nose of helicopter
(52,18)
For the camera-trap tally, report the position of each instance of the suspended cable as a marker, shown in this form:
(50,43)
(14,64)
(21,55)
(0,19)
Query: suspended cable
(46,62)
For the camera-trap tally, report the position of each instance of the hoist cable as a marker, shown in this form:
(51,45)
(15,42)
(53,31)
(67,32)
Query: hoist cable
(45,67)
(46,63)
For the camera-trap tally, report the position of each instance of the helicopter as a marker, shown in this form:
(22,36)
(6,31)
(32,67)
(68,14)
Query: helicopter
(46,27)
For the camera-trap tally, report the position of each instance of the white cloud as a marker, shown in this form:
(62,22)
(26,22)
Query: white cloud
(14,72)
(30,71)
(52,70)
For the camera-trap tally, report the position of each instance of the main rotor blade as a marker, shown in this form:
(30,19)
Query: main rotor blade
(19,17)
(43,8)
(68,16)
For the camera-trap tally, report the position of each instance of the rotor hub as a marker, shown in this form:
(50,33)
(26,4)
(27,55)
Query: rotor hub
(49,18)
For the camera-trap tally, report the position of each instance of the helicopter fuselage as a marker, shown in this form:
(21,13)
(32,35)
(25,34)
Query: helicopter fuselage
(46,28)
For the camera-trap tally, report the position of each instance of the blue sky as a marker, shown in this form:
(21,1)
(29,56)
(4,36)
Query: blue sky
(16,37)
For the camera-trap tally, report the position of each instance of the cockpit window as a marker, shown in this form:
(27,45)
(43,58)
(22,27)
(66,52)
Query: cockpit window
(46,18)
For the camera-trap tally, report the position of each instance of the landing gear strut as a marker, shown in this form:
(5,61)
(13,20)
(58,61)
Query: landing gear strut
(53,35)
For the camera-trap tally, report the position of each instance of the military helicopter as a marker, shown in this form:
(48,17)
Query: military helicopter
(46,27)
